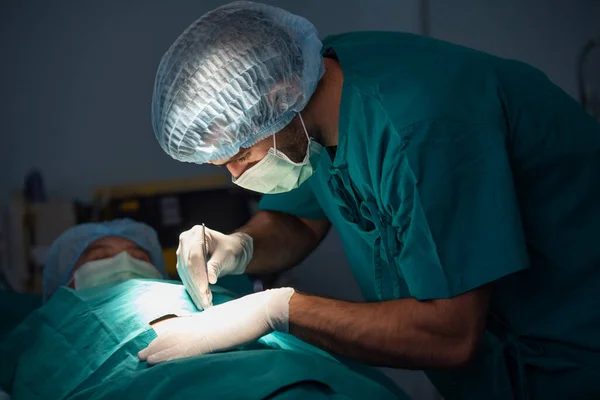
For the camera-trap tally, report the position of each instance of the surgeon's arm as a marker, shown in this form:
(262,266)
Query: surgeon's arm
(404,333)
(282,240)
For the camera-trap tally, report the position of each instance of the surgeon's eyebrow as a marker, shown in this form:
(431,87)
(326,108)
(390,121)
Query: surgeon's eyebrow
(237,157)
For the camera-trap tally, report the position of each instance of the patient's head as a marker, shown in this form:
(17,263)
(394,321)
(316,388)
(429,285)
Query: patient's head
(93,254)
(109,247)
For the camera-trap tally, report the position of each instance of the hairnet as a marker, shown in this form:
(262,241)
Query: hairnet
(67,249)
(237,75)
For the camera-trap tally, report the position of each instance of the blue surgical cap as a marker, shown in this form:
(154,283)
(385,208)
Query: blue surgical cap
(67,249)
(237,75)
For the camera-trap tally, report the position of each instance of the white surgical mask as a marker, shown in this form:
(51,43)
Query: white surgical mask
(121,267)
(276,173)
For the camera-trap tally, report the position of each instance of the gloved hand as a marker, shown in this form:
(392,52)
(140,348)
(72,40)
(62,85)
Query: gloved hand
(227,255)
(221,327)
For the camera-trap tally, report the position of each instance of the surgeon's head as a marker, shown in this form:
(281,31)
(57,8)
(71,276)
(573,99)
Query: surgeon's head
(231,90)
(92,254)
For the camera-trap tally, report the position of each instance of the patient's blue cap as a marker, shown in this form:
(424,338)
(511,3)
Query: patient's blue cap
(67,249)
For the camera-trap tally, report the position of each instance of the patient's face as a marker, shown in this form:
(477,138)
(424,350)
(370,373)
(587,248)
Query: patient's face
(109,247)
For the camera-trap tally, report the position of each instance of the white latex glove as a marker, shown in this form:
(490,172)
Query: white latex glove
(228,255)
(221,327)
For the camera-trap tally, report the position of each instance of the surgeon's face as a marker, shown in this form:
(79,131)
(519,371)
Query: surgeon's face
(108,247)
(291,141)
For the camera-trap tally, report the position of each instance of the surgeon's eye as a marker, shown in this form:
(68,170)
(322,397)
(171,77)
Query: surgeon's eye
(243,158)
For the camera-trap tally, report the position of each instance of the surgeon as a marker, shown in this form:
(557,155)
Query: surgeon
(465,189)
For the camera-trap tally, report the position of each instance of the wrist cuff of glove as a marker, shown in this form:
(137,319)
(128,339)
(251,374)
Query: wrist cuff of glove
(278,309)
(247,244)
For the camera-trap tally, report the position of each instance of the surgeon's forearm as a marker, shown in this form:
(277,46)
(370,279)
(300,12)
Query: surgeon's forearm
(398,333)
(281,240)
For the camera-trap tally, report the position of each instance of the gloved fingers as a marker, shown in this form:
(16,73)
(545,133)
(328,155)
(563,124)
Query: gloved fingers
(159,344)
(179,350)
(183,264)
(213,273)
(181,249)
(183,270)
(205,298)
(159,357)
(208,297)
(183,273)
(191,289)
(219,261)
(143,354)
(199,274)
(188,241)
(191,265)
(197,267)
(162,356)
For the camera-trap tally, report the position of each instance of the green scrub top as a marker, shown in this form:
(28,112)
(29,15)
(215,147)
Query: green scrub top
(455,169)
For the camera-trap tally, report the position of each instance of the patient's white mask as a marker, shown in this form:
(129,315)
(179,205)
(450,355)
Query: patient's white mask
(121,267)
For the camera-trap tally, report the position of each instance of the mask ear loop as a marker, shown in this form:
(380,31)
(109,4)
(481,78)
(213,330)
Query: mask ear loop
(275,142)
(304,126)
(307,137)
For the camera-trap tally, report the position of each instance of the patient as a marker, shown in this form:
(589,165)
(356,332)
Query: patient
(103,287)
(97,253)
